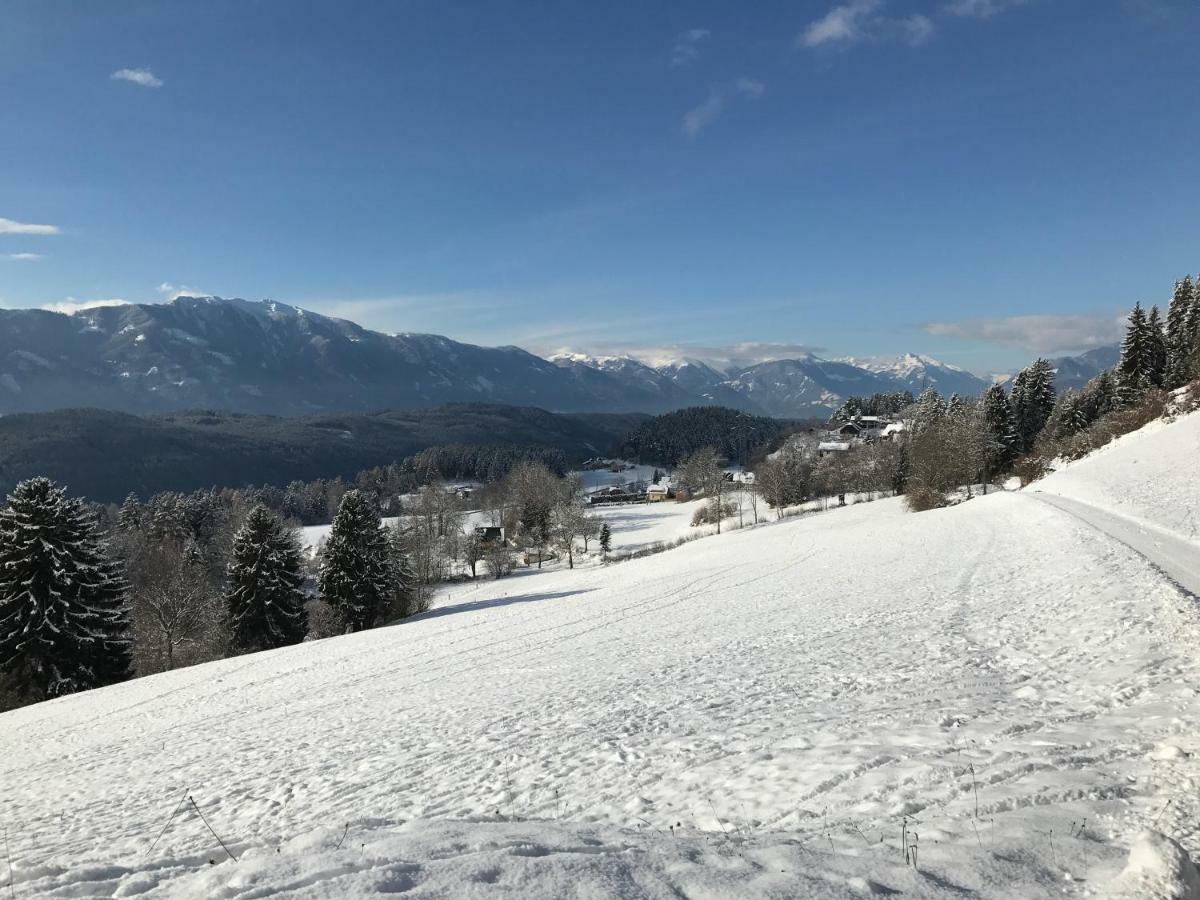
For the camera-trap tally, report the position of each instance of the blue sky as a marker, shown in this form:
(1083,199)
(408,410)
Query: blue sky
(976,179)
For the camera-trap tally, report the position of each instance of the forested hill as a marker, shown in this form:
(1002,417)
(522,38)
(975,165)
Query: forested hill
(668,438)
(105,455)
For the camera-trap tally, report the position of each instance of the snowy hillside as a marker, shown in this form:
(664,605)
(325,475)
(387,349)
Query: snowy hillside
(1114,476)
(771,712)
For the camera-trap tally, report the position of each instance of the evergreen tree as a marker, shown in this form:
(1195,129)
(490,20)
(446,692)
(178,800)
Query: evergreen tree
(63,616)
(129,517)
(930,409)
(266,604)
(605,538)
(1032,401)
(1179,337)
(405,598)
(956,408)
(1001,431)
(355,573)
(1135,370)
(1158,348)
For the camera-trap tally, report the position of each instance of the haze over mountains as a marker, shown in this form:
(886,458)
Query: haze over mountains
(267,357)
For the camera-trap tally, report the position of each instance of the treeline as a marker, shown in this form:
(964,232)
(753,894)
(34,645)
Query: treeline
(735,435)
(315,502)
(876,405)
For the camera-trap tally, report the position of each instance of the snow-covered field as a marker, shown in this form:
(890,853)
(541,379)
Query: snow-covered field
(770,712)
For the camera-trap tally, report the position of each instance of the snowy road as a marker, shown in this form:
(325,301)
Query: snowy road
(1178,558)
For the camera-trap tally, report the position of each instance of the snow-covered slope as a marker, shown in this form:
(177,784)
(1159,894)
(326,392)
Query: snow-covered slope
(1152,474)
(763,713)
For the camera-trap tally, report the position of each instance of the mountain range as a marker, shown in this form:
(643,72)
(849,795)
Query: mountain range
(268,357)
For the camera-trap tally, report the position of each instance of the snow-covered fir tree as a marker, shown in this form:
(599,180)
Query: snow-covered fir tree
(406,600)
(1001,431)
(129,517)
(1135,371)
(63,618)
(356,571)
(1179,338)
(930,409)
(264,596)
(1032,402)
(1158,348)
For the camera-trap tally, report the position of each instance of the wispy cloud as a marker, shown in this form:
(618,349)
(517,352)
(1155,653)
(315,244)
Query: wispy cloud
(170,291)
(71,306)
(24,257)
(981,9)
(700,117)
(143,77)
(860,20)
(687,46)
(842,24)
(9,226)
(1038,333)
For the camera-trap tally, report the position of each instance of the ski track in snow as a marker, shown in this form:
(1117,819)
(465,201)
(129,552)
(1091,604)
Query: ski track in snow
(785,695)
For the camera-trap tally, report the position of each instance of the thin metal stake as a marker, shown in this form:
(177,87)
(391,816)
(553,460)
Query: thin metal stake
(210,828)
(178,806)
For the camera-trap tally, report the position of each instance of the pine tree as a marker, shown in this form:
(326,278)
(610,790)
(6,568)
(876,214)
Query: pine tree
(1179,337)
(406,599)
(129,517)
(1135,370)
(1032,401)
(930,409)
(63,616)
(605,538)
(956,408)
(355,574)
(1157,353)
(1002,437)
(266,604)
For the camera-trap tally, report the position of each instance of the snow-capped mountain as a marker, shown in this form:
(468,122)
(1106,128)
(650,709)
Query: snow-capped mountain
(646,388)
(267,357)
(918,372)
(809,386)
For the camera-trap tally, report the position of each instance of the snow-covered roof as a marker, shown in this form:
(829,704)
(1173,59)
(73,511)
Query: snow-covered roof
(832,445)
(895,428)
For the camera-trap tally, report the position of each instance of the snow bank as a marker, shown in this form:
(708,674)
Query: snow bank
(1158,869)
(1152,474)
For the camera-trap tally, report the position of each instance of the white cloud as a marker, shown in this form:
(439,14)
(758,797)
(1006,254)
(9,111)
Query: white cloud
(9,226)
(25,257)
(749,87)
(71,305)
(700,117)
(1039,333)
(842,24)
(719,356)
(171,291)
(144,77)
(860,20)
(917,29)
(981,9)
(687,46)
